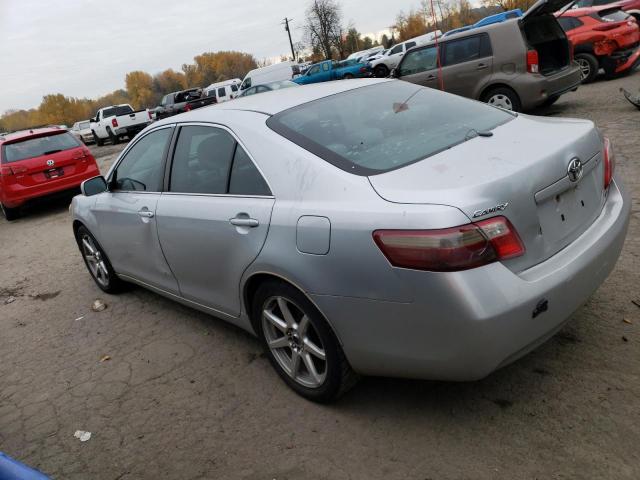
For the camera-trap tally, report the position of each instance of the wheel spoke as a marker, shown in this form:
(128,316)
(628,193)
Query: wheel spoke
(295,363)
(275,320)
(303,325)
(281,342)
(314,350)
(88,247)
(311,368)
(286,313)
(103,268)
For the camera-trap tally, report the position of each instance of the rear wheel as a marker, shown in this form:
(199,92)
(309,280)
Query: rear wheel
(97,262)
(503,97)
(299,343)
(99,142)
(113,137)
(550,101)
(381,71)
(10,213)
(348,76)
(588,66)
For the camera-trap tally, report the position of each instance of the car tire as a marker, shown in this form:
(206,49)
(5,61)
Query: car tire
(97,262)
(348,76)
(99,142)
(503,97)
(296,347)
(550,101)
(113,137)
(588,66)
(10,213)
(381,71)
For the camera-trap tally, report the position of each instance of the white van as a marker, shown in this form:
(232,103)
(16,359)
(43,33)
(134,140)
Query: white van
(223,91)
(383,65)
(272,73)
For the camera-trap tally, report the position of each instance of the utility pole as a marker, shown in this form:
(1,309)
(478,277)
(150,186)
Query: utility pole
(286,27)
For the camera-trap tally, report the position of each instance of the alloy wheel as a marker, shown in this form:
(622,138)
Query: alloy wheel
(500,100)
(95,261)
(585,68)
(294,342)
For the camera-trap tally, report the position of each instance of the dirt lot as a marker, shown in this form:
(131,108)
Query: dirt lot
(186,396)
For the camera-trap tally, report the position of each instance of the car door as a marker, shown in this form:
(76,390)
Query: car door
(420,66)
(126,213)
(467,65)
(213,217)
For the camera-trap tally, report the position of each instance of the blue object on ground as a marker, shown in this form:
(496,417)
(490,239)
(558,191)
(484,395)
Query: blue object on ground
(11,469)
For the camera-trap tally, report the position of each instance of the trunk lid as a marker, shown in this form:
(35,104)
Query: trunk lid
(520,172)
(545,7)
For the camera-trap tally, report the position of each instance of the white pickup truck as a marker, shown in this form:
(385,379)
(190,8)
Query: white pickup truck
(117,121)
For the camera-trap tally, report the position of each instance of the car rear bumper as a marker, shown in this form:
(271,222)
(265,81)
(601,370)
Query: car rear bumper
(464,325)
(132,129)
(16,195)
(535,89)
(621,61)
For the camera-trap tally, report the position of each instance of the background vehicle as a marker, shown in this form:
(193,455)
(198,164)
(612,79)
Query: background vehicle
(270,73)
(632,7)
(182,101)
(116,121)
(365,53)
(491,19)
(267,87)
(222,91)
(517,64)
(40,162)
(82,131)
(602,37)
(444,285)
(332,70)
(383,65)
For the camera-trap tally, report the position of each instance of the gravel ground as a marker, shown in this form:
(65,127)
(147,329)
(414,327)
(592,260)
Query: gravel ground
(186,396)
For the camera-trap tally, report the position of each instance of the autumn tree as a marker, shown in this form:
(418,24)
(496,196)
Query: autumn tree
(140,89)
(168,81)
(211,67)
(509,4)
(411,25)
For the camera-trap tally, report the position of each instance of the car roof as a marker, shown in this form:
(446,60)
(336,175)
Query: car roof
(275,101)
(24,134)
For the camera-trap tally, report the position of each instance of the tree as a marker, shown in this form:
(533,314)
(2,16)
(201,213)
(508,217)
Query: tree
(352,41)
(168,81)
(385,41)
(140,89)
(323,26)
(211,67)
(509,4)
(411,25)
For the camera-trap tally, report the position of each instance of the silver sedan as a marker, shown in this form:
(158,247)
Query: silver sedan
(372,227)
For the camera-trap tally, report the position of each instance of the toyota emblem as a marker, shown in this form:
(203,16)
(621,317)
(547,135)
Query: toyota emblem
(574,170)
(50,163)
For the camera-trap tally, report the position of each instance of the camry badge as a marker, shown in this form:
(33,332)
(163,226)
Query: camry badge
(50,163)
(574,169)
(497,208)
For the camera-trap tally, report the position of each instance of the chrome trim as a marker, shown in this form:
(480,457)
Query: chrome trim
(218,195)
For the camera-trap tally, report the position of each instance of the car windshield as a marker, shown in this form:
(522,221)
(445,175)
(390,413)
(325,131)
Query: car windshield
(382,127)
(36,147)
(83,125)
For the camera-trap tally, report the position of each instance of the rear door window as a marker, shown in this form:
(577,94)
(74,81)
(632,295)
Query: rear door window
(466,49)
(36,147)
(245,177)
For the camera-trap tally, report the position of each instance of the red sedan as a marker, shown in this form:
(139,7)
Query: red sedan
(40,162)
(602,37)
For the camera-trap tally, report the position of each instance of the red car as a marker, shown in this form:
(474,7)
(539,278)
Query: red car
(632,7)
(40,162)
(602,37)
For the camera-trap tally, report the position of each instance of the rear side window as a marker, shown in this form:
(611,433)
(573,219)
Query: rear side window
(569,23)
(245,177)
(142,167)
(234,87)
(466,49)
(419,61)
(117,111)
(222,92)
(36,147)
(382,127)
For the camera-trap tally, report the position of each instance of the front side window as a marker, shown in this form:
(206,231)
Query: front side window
(142,167)
(314,70)
(396,49)
(382,127)
(36,147)
(419,61)
(325,67)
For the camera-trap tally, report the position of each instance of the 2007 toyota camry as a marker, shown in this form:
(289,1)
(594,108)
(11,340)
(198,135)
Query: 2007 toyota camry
(371,227)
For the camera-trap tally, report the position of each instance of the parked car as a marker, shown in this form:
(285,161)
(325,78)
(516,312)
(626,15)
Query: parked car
(491,19)
(182,101)
(270,73)
(116,121)
(38,163)
(375,227)
(517,64)
(82,131)
(382,66)
(365,53)
(222,91)
(332,70)
(267,87)
(602,37)
(632,7)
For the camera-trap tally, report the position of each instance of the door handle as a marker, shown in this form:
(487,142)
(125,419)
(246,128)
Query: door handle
(244,222)
(481,66)
(431,77)
(146,213)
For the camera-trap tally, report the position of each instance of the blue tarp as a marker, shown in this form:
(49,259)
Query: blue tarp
(11,469)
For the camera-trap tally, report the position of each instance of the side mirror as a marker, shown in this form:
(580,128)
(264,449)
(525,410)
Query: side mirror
(94,186)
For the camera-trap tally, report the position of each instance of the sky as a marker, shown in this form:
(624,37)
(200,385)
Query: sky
(84,48)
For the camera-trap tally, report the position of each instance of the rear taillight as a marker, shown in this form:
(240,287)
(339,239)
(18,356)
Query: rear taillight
(451,249)
(5,171)
(149,113)
(187,108)
(532,61)
(13,170)
(609,163)
(114,122)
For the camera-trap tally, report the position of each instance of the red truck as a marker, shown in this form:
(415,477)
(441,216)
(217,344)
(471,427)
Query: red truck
(38,163)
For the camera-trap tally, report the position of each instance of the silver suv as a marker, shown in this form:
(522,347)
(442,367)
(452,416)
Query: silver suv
(517,64)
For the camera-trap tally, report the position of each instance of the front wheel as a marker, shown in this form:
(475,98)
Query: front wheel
(300,344)
(503,97)
(348,76)
(588,66)
(97,139)
(381,71)
(10,213)
(97,262)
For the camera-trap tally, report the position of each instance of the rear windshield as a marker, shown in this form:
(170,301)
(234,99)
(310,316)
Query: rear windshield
(382,127)
(123,110)
(613,15)
(36,147)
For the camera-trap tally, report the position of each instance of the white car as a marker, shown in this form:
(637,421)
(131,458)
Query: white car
(383,65)
(82,131)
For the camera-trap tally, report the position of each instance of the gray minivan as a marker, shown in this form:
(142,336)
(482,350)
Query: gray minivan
(518,64)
